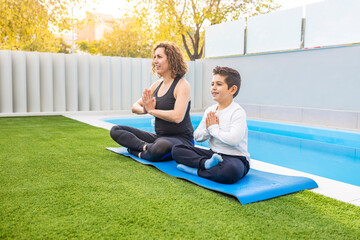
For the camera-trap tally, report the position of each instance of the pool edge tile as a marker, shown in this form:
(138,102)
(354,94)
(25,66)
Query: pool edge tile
(331,118)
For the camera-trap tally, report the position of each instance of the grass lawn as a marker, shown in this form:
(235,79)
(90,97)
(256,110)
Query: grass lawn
(57,181)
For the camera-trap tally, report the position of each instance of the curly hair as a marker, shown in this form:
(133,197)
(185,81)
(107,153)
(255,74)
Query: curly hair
(177,63)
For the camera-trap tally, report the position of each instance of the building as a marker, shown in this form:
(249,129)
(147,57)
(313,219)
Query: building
(94,27)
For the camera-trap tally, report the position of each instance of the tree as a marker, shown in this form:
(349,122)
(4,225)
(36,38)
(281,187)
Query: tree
(92,48)
(128,38)
(64,47)
(188,18)
(28,24)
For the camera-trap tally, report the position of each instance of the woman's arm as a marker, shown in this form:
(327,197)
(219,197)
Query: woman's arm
(182,96)
(138,107)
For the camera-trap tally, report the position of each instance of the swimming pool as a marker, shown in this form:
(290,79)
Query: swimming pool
(324,152)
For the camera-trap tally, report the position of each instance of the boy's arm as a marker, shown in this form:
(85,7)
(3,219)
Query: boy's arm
(237,130)
(201,133)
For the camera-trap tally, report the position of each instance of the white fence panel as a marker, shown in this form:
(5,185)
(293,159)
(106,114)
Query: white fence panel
(225,39)
(136,79)
(198,81)
(46,82)
(72,100)
(126,84)
(147,77)
(274,31)
(95,83)
(19,81)
(6,102)
(116,83)
(105,83)
(190,77)
(332,22)
(33,81)
(59,82)
(84,82)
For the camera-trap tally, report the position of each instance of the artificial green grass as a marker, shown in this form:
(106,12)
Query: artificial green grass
(57,181)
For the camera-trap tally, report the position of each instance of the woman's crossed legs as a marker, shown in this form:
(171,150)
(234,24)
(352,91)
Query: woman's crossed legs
(144,144)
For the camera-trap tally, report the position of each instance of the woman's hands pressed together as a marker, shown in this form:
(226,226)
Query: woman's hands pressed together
(149,102)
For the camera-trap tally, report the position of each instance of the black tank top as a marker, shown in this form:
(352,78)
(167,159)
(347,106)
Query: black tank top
(167,102)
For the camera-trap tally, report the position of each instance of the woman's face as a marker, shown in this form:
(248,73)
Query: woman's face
(160,61)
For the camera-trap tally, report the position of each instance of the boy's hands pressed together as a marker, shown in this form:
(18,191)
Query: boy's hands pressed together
(211,119)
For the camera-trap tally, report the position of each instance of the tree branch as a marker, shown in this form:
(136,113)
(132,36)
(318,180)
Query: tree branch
(191,56)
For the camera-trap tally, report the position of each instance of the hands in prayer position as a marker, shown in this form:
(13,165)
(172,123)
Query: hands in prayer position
(149,102)
(211,119)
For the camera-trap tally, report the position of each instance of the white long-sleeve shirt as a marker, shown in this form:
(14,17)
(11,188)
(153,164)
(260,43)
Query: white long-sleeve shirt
(230,136)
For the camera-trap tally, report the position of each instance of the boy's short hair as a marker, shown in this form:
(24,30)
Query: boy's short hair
(232,77)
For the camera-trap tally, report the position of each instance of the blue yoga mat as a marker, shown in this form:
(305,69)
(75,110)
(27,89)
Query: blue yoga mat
(255,186)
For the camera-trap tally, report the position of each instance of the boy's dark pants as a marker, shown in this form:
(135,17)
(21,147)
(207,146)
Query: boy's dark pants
(230,170)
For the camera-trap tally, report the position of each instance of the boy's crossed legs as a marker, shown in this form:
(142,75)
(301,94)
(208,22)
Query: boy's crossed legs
(208,164)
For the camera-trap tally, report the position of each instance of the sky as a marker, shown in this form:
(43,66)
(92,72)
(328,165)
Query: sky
(116,7)
(295,3)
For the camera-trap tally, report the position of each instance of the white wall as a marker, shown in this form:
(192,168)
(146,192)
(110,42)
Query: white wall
(319,78)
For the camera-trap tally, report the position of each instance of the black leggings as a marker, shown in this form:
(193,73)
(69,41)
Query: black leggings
(158,149)
(229,171)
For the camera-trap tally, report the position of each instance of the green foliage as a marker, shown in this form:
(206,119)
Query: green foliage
(92,48)
(27,24)
(64,47)
(128,38)
(83,46)
(57,181)
(185,20)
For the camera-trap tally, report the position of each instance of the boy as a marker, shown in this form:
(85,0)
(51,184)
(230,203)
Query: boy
(224,123)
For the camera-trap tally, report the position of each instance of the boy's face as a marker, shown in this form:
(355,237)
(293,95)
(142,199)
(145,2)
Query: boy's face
(220,91)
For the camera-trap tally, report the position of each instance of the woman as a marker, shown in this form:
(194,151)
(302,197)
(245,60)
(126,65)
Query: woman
(168,100)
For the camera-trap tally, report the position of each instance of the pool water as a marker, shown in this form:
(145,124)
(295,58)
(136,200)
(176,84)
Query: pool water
(324,152)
